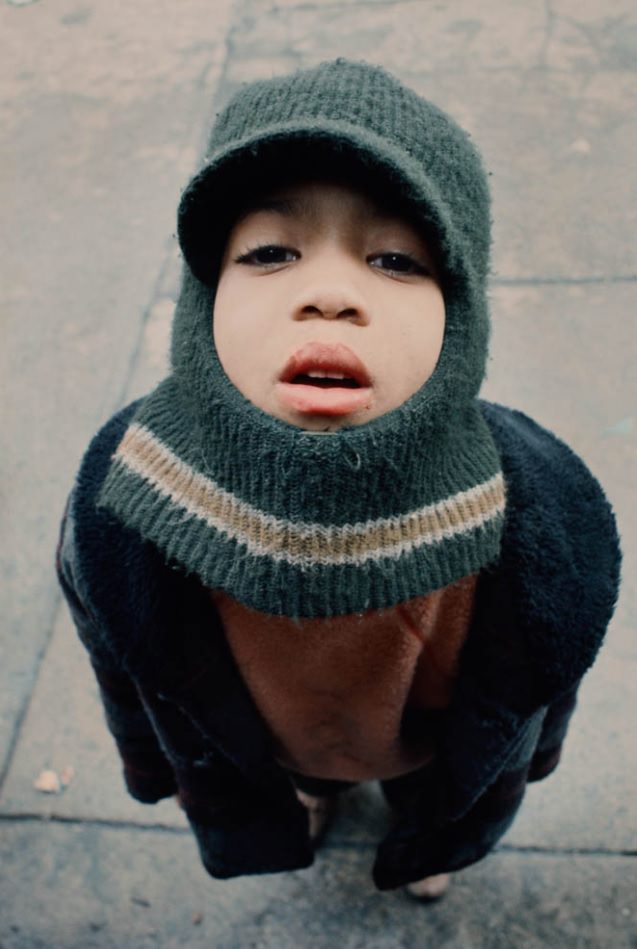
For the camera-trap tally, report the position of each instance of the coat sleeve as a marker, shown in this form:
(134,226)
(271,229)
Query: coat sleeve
(426,847)
(147,772)
(420,846)
(549,747)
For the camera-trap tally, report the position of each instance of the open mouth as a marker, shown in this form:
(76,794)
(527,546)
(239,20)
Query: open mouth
(324,380)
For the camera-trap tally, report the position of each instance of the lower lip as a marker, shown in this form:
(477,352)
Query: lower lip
(313,400)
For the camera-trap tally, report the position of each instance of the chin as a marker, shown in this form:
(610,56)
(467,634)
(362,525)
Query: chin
(315,421)
(328,423)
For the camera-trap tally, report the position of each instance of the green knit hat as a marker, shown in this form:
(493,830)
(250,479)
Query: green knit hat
(299,523)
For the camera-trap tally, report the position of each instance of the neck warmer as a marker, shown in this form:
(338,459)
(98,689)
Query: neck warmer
(306,524)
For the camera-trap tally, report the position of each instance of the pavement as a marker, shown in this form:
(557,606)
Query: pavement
(104,109)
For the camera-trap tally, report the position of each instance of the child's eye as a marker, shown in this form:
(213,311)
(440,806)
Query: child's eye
(266,255)
(397,263)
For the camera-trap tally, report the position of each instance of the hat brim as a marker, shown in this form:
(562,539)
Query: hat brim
(231,178)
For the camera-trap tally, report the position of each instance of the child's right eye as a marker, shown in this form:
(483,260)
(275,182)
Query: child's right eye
(267,255)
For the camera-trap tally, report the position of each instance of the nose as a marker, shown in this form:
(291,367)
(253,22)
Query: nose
(331,298)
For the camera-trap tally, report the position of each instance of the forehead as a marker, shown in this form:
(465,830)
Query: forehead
(307,198)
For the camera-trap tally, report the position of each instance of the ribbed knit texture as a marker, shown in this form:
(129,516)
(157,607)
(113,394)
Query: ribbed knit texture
(298,523)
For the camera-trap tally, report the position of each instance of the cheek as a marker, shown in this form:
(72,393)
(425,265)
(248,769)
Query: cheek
(423,339)
(436,329)
(229,331)
(243,335)
(221,324)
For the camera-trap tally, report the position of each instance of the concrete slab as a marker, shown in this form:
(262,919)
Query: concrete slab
(563,354)
(101,111)
(65,728)
(69,885)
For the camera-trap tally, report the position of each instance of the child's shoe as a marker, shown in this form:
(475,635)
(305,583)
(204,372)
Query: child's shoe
(430,888)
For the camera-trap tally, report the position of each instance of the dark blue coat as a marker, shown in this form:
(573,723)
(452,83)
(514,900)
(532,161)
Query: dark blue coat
(185,723)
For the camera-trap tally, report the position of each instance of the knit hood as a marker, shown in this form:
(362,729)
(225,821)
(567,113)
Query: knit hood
(310,524)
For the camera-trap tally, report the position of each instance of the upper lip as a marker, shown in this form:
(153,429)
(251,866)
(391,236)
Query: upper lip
(326,357)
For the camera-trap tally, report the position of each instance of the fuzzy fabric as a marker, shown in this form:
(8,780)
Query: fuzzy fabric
(183,719)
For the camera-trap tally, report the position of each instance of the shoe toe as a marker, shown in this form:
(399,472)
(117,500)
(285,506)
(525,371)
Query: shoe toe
(430,888)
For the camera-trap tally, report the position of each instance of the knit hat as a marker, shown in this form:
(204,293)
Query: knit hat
(308,524)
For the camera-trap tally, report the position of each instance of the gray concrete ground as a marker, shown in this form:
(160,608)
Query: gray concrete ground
(104,108)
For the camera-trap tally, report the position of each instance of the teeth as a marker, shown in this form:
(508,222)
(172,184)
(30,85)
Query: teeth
(318,374)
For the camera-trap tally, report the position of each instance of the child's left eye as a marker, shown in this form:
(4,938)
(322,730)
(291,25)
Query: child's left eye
(397,263)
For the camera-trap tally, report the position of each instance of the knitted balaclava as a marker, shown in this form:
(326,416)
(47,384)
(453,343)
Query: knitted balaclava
(306,524)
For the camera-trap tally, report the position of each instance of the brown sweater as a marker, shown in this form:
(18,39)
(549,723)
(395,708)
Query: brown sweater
(338,694)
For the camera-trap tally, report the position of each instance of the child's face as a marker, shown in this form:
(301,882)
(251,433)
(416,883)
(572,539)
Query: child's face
(327,312)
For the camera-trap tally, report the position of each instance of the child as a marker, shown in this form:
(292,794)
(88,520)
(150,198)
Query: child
(312,557)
